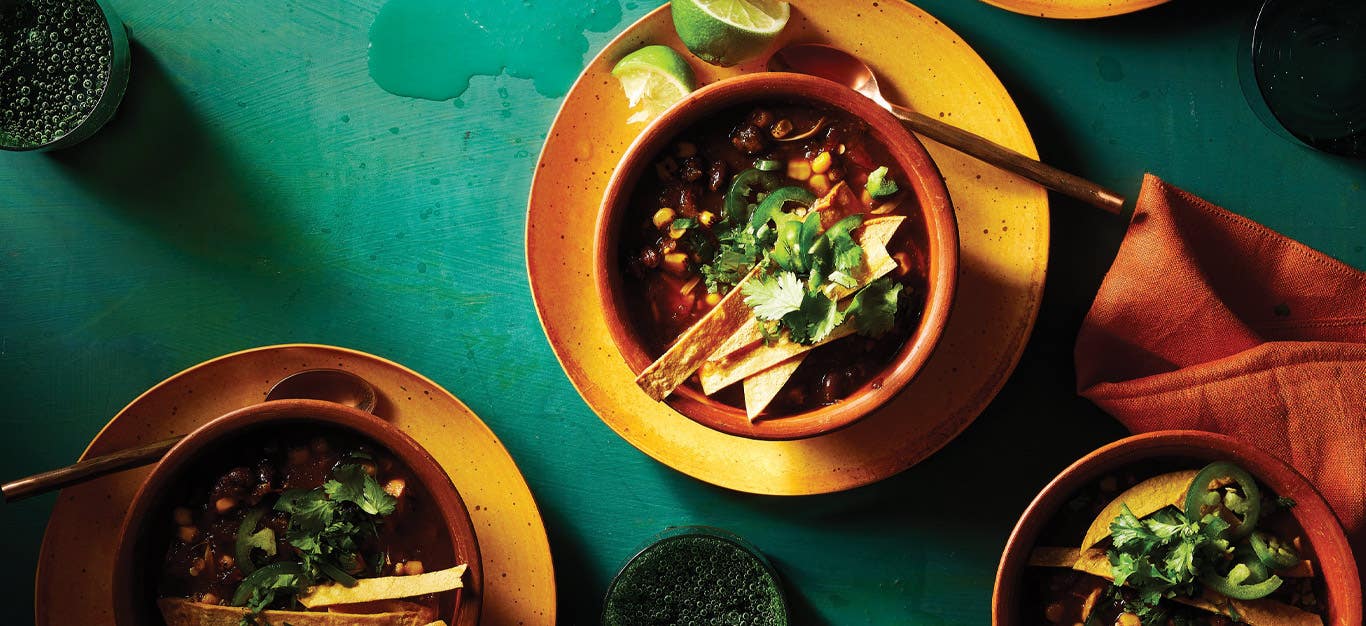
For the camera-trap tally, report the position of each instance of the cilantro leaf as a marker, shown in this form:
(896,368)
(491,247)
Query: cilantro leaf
(773,298)
(878,185)
(814,320)
(874,307)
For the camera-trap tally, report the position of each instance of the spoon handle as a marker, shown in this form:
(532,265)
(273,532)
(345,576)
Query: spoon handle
(977,146)
(82,471)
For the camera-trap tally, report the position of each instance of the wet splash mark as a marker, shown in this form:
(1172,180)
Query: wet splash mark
(432,48)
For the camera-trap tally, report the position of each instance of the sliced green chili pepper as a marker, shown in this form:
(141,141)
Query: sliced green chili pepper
(787,250)
(821,262)
(811,229)
(844,226)
(774,202)
(1257,570)
(335,573)
(1271,552)
(246,540)
(1235,585)
(1205,497)
(768,165)
(265,578)
(744,185)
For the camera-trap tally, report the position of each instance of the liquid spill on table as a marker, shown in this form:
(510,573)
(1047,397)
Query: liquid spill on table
(431,48)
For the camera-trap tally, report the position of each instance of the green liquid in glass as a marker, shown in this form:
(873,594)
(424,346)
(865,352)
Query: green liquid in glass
(54,65)
(431,48)
(695,579)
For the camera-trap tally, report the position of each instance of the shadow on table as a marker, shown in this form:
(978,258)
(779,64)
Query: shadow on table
(159,163)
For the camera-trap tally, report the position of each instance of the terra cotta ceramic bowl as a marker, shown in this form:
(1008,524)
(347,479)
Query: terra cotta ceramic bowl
(1334,555)
(935,209)
(147,526)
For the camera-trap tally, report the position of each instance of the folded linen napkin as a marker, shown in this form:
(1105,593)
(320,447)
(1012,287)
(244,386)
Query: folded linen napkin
(1210,321)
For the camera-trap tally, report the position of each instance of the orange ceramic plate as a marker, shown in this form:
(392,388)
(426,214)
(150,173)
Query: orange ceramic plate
(1002,220)
(75,566)
(1074,9)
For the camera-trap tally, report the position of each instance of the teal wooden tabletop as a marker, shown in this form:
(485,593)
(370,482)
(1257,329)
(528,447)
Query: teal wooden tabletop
(257,187)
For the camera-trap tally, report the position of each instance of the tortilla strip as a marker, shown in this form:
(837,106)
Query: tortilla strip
(761,388)
(1260,612)
(836,204)
(437,623)
(386,588)
(1144,499)
(183,612)
(697,343)
(733,368)
(423,614)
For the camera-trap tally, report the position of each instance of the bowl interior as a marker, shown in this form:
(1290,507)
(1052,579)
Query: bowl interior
(935,216)
(148,527)
(1327,541)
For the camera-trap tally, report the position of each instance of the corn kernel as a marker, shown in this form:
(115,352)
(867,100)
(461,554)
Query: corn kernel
(413,568)
(798,169)
(395,487)
(819,184)
(821,164)
(676,262)
(706,218)
(223,505)
(663,218)
(713,298)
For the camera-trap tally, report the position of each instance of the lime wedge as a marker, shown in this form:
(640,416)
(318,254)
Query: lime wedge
(726,32)
(654,78)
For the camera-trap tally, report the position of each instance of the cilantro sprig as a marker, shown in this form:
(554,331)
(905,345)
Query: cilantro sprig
(1163,555)
(328,527)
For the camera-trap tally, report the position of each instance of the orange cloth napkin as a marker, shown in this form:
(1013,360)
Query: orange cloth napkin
(1210,321)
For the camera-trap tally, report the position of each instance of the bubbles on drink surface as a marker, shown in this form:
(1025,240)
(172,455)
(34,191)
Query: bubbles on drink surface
(54,65)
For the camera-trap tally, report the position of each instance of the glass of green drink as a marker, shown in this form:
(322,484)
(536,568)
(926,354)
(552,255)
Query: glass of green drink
(63,70)
(696,575)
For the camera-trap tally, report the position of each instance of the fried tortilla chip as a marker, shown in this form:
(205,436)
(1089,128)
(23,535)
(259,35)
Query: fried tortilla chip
(386,588)
(1144,499)
(733,368)
(761,388)
(697,343)
(183,612)
(423,614)
(836,204)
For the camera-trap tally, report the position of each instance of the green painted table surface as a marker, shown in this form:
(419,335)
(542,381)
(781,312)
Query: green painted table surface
(257,188)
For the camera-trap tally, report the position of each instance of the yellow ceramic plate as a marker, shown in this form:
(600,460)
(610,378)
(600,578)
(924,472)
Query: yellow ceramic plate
(1074,9)
(74,569)
(1002,220)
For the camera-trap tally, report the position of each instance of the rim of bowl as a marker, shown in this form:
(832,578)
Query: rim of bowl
(454,515)
(1337,564)
(936,210)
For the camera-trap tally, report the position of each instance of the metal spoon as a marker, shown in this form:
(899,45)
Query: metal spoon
(844,68)
(337,386)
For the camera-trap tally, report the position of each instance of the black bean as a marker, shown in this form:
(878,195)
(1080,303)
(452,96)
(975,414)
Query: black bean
(716,175)
(649,257)
(831,387)
(691,169)
(760,117)
(749,139)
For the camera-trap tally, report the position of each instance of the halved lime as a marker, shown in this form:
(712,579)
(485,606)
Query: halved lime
(653,77)
(726,32)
